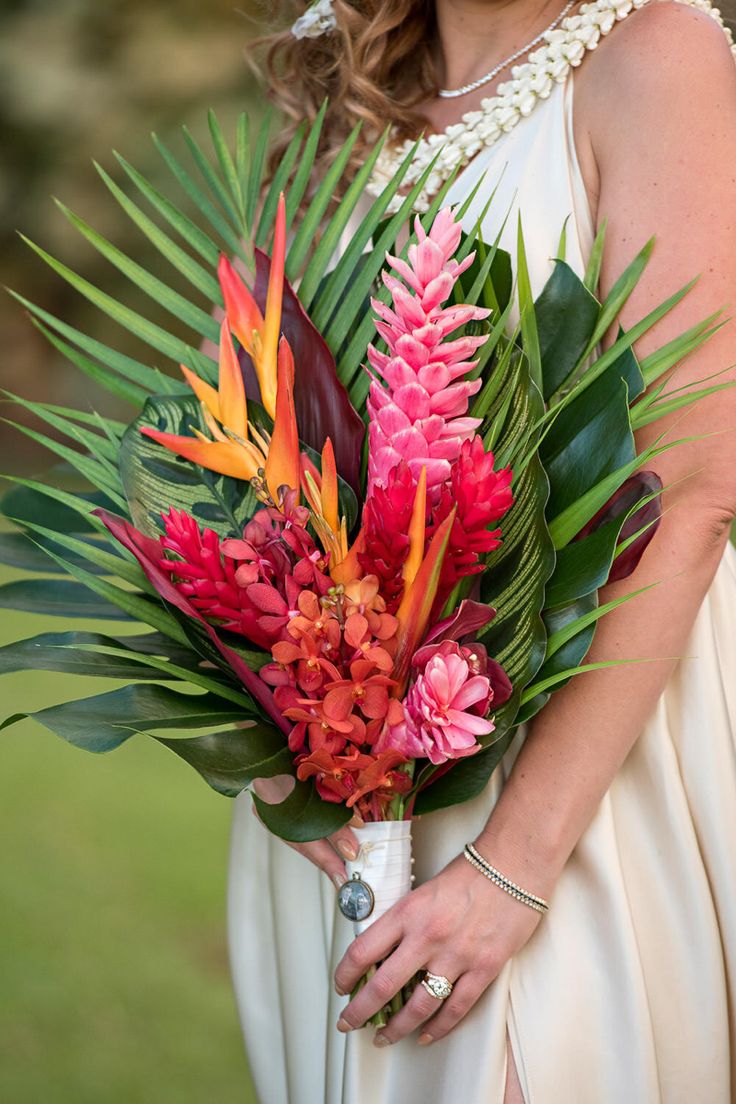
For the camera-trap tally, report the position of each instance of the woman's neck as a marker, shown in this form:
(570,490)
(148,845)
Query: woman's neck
(475,35)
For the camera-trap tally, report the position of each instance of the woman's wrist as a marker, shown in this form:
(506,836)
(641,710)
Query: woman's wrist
(522,846)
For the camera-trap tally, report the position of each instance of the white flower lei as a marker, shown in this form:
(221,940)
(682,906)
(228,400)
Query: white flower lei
(317,20)
(563,50)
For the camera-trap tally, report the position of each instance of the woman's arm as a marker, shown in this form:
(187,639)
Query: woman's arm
(661,111)
(659,102)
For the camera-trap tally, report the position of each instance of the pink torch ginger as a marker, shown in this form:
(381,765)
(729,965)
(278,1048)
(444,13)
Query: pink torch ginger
(421,415)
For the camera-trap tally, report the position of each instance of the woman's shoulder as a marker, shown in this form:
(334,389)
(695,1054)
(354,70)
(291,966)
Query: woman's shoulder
(667,65)
(670,43)
(669,26)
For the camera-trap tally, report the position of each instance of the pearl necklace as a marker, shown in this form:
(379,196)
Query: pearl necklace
(453,148)
(453,93)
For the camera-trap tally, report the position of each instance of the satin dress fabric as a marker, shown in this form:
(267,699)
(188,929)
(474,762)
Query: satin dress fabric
(625,992)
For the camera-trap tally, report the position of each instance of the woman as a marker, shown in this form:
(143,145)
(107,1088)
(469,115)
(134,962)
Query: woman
(619,805)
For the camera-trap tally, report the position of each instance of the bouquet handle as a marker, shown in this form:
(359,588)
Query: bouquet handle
(384,864)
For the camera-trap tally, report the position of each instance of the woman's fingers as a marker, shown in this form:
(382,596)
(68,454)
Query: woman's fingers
(389,979)
(420,1007)
(345,843)
(323,855)
(465,993)
(371,946)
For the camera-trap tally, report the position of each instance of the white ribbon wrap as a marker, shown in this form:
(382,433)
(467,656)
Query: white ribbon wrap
(384,862)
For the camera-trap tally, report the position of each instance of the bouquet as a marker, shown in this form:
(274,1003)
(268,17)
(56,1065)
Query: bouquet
(370,533)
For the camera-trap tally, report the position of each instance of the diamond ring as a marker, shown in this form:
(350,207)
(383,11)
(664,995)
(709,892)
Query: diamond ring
(439,986)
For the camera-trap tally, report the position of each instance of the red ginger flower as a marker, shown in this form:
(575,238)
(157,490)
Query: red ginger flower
(249,585)
(482,496)
(208,579)
(386,520)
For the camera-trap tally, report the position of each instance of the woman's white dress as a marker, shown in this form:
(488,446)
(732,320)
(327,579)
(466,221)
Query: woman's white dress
(626,992)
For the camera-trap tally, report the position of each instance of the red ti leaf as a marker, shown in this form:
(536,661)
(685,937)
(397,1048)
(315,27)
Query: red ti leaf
(643,485)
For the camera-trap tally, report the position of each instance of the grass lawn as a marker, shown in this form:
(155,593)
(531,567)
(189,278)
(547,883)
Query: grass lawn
(114,981)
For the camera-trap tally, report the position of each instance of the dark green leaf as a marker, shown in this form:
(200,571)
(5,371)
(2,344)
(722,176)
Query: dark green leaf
(39,503)
(230,761)
(566,316)
(57,598)
(465,779)
(303,815)
(590,438)
(103,722)
(584,565)
(60,652)
(17,550)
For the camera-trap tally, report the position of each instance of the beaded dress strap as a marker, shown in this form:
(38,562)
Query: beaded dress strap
(563,49)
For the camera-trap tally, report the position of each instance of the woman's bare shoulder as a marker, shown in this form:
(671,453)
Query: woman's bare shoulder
(661,85)
(668,51)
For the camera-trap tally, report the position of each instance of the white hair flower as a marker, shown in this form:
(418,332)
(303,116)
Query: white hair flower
(317,20)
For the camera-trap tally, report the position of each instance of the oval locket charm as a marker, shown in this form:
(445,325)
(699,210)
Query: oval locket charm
(355,899)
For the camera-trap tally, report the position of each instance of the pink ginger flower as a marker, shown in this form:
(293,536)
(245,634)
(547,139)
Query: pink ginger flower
(420,416)
(439,718)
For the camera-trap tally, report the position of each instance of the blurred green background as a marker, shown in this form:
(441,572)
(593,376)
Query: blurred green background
(114,984)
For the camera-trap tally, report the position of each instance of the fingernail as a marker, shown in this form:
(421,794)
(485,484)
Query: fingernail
(343,1025)
(347,849)
(425,1040)
(338,880)
(380,1040)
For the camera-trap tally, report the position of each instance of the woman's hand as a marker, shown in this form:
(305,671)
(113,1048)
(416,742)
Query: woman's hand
(325,853)
(459,925)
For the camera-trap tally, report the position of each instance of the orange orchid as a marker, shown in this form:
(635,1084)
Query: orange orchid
(259,334)
(225,412)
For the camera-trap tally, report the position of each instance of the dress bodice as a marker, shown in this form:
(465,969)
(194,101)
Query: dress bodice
(536,174)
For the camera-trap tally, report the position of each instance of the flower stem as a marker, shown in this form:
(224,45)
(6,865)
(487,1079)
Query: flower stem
(397,806)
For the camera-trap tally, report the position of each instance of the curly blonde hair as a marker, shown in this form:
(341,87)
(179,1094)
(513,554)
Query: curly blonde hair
(378,66)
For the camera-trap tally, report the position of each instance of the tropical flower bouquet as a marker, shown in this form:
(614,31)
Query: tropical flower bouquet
(361,532)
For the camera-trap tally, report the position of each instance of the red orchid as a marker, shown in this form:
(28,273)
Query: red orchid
(312,668)
(358,636)
(351,776)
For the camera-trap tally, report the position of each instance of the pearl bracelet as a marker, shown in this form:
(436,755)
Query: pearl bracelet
(484,867)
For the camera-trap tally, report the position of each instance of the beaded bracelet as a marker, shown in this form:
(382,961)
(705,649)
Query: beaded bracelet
(484,867)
